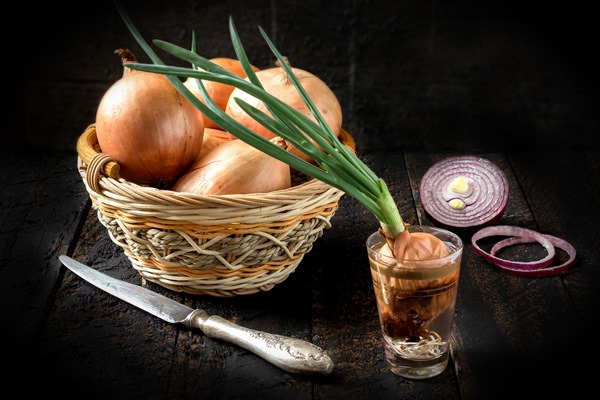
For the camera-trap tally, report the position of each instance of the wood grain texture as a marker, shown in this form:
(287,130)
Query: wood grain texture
(508,330)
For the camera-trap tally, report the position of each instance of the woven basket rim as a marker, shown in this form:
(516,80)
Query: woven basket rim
(311,184)
(307,187)
(121,196)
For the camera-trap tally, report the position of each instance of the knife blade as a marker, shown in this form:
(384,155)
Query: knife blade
(290,354)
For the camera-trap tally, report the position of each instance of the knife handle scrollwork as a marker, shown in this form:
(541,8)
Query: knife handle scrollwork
(290,354)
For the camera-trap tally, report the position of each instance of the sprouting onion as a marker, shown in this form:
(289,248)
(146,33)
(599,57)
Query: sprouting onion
(336,164)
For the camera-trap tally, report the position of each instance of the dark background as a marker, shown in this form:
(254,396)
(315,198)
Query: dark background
(457,75)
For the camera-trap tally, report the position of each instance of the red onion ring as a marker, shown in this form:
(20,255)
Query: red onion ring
(504,230)
(482,202)
(557,242)
(524,235)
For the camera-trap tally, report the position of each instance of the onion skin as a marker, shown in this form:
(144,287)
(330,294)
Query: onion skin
(214,137)
(464,192)
(218,92)
(235,167)
(419,246)
(276,82)
(148,128)
(408,252)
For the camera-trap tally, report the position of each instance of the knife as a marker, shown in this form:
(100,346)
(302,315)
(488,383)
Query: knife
(290,354)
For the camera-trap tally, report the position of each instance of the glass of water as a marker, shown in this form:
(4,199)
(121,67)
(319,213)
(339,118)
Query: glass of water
(415,303)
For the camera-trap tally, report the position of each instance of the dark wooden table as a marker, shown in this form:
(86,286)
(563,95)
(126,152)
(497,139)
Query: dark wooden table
(512,335)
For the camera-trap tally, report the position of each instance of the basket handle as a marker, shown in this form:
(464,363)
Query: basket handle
(86,148)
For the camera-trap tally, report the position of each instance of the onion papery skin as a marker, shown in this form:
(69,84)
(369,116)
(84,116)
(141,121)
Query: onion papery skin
(516,235)
(218,92)
(148,128)
(485,201)
(414,246)
(213,137)
(235,167)
(276,82)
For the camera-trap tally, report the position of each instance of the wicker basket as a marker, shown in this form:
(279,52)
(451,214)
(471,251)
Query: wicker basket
(224,245)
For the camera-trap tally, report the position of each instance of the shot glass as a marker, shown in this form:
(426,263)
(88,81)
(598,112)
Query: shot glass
(415,303)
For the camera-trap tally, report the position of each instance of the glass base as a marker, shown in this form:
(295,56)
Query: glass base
(423,372)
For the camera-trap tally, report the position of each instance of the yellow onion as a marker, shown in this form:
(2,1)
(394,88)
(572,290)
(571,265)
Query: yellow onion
(148,127)
(276,82)
(235,167)
(214,137)
(411,249)
(218,92)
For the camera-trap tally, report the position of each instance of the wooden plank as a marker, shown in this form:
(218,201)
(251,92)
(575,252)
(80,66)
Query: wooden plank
(94,340)
(210,368)
(507,328)
(562,189)
(42,202)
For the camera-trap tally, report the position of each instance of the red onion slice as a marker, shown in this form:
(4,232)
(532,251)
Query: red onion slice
(523,235)
(557,242)
(464,192)
(505,230)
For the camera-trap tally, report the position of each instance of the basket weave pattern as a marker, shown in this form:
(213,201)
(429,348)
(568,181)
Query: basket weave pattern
(223,245)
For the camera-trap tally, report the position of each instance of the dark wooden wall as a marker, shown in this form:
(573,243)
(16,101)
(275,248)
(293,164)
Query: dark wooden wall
(435,74)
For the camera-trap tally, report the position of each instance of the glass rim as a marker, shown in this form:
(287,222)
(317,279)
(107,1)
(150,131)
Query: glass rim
(455,251)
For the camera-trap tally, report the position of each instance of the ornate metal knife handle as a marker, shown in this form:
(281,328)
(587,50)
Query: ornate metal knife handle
(290,354)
